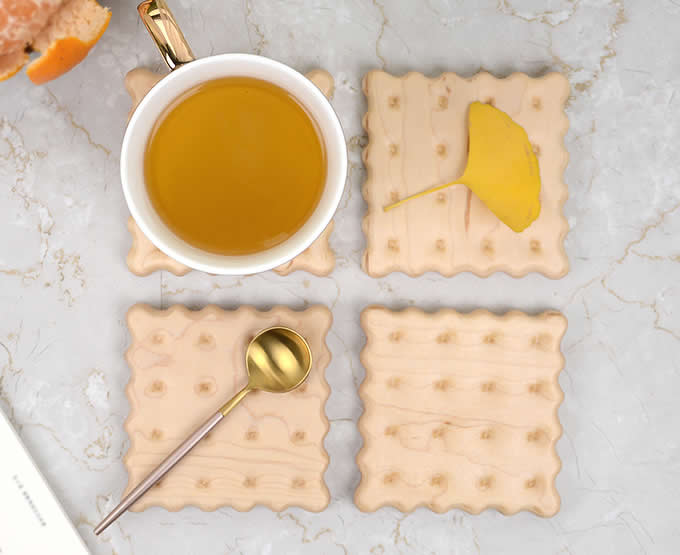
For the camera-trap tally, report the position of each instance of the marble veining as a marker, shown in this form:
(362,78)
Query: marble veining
(65,288)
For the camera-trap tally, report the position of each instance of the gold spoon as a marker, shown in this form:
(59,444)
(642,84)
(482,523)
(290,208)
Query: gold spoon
(278,360)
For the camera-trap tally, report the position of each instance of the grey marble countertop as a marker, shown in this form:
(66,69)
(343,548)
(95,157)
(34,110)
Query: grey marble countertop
(65,289)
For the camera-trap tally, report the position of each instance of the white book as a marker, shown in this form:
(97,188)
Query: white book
(32,522)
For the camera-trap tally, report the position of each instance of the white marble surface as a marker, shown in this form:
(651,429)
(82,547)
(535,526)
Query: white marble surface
(64,287)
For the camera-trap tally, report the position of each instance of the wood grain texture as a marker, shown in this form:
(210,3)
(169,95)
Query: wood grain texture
(460,411)
(417,138)
(144,258)
(269,450)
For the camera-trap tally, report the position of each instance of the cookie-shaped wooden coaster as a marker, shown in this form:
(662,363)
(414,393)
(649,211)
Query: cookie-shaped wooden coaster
(269,451)
(144,258)
(417,138)
(460,411)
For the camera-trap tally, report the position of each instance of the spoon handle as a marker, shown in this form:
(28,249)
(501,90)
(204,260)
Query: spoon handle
(171,460)
(161,470)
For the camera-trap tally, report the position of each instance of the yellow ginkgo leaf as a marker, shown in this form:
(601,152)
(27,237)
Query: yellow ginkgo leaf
(502,169)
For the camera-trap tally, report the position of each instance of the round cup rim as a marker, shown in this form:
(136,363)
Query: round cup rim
(230,264)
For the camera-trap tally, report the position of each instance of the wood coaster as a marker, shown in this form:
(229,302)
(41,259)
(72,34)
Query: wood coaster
(269,451)
(417,138)
(460,411)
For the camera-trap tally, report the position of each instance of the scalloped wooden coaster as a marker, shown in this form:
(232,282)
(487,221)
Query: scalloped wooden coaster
(460,411)
(417,138)
(144,258)
(184,364)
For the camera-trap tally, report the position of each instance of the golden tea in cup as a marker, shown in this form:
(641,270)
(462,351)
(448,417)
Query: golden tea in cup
(235,166)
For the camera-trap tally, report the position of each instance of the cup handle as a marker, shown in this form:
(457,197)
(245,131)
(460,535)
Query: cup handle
(165,32)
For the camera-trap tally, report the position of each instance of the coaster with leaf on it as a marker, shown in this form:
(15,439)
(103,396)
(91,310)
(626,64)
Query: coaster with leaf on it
(418,139)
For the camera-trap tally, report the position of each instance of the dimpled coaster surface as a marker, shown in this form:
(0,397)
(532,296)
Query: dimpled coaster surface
(417,138)
(269,450)
(460,411)
(144,258)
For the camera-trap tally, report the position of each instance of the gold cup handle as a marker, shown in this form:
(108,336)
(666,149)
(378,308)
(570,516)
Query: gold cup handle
(165,32)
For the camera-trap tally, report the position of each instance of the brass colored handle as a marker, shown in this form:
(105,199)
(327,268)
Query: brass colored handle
(235,400)
(165,32)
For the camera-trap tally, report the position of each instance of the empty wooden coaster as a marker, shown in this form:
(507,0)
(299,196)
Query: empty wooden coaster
(460,411)
(144,258)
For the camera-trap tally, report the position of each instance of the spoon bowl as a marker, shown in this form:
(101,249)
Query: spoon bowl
(278,360)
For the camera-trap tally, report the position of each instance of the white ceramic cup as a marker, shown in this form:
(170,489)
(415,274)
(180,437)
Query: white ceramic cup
(186,75)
